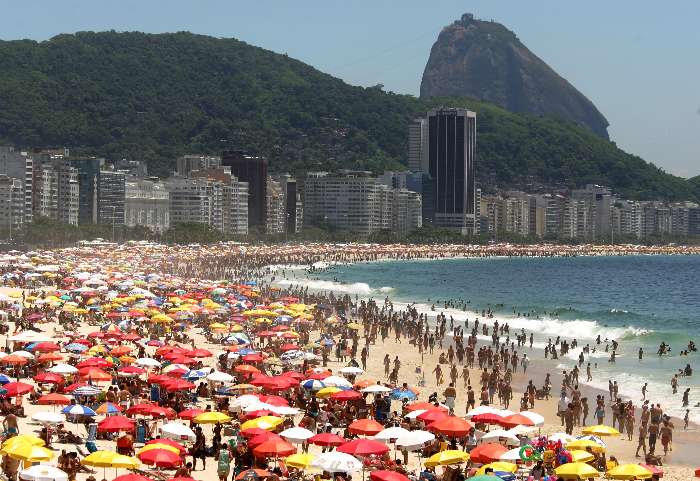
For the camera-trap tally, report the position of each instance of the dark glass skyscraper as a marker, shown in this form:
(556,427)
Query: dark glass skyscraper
(449,165)
(251,169)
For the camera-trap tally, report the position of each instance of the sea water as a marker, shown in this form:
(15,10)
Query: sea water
(639,301)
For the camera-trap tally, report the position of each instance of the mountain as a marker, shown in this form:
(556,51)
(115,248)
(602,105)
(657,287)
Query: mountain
(695,184)
(486,61)
(154,97)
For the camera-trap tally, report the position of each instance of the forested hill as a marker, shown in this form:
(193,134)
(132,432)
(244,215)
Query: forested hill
(153,97)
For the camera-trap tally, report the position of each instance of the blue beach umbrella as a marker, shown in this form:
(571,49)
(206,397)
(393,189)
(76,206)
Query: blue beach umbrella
(76,347)
(312,384)
(400,394)
(78,410)
(193,374)
(4,379)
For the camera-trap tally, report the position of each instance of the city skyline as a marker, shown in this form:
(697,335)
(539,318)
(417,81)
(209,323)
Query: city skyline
(378,43)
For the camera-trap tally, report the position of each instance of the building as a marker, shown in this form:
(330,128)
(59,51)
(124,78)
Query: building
(294,209)
(147,204)
(11,205)
(450,170)
(188,163)
(252,170)
(600,201)
(19,165)
(56,190)
(88,188)
(417,140)
(212,197)
(357,202)
(276,208)
(111,197)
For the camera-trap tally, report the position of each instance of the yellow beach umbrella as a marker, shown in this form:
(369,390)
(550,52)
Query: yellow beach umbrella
(582,444)
(267,423)
(19,440)
(629,471)
(601,430)
(109,459)
(354,326)
(217,325)
(327,391)
(27,452)
(579,456)
(451,456)
(212,417)
(167,447)
(299,460)
(576,471)
(498,466)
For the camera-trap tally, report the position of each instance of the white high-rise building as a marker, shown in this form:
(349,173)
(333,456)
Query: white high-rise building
(147,203)
(20,165)
(11,205)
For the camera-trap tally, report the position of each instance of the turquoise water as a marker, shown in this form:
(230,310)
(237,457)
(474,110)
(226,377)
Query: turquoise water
(637,300)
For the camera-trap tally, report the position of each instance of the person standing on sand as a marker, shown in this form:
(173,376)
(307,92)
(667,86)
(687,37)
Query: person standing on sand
(653,434)
(438,374)
(450,394)
(387,365)
(471,398)
(465,375)
(589,377)
(584,410)
(644,391)
(666,434)
(642,440)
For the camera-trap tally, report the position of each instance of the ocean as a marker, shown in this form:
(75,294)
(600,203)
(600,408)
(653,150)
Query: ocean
(638,301)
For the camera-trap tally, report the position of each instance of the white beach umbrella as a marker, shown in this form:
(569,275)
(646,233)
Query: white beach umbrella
(414,439)
(42,472)
(537,419)
(218,376)
(512,455)
(63,369)
(296,434)
(500,434)
(87,391)
(391,433)
(483,410)
(415,414)
(520,429)
(376,388)
(147,362)
(46,417)
(351,370)
(248,408)
(563,437)
(337,462)
(177,431)
(284,410)
(337,381)
(25,354)
(245,400)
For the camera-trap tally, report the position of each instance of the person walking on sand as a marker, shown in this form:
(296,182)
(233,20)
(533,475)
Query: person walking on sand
(642,440)
(387,365)
(666,434)
(438,374)
(644,391)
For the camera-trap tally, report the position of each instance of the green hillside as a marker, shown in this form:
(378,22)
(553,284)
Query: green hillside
(153,97)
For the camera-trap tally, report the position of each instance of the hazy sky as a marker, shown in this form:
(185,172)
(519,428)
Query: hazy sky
(637,60)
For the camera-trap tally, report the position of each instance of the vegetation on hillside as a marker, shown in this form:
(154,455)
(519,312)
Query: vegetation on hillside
(154,97)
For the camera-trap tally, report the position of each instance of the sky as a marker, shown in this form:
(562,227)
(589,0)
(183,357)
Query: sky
(637,60)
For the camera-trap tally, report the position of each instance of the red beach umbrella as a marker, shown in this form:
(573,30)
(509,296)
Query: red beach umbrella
(48,378)
(415,406)
(47,347)
(188,414)
(327,439)
(349,395)
(17,388)
(383,475)
(451,426)
(252,474)
(168,442)
(54,399)
(274,448)
(516,420)
(114,424)
(487,418)
(161,458)
(261,438)
(432,415)
(132,477)
(487,453)
(368,427)
(363,447)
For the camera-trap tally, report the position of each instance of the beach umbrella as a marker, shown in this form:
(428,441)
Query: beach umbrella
(76,347)
(274,448)
(498,466)
(46,417)
(46,347)
(252,475)
(218,376)
(299,460)
(114,424)
(578,456)
(349,395)
(86,390)
(368,427)
(487,418)
(312,384)
(629,471)
(537,419)
(658,471)
(21,439)
(400,394)
(296,434)
(327,391)
(14,360)
(178,385)
(394,432)
(351,370)
(483,409)
(189,414)
(147,362)
(108,408)
(63,369)
(450,456)
(4,379)
(211,417)
(576,471)
(487,453)
(363,447)
(451,426)
(78,410)
(49,357)
(40,472)
(17,388)
(265,422)
(600,430)
(109,459)
(425,406)
(563,437)
(498,434)
(432,415)
(29,453)
(384,475)
(337,381)
(376,388)
(327,439)
(515,420)
(162,458)
(53,399)
(132,477)
(261,438)
(582,444)
(511,455)
(414,440)
(591,437)
(336,462)
(177,431)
